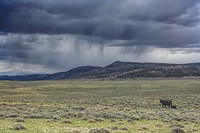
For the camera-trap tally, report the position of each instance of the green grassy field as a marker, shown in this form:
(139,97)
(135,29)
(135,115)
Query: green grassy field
(116,106)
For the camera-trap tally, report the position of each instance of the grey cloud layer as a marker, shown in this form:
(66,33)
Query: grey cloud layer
(109,19)
(54,51)
(40,53)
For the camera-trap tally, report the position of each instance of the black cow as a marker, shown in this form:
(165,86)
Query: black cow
(166,103)
(173,106)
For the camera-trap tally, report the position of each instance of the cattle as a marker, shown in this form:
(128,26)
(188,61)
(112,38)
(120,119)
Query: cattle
(173,106)
(166,103)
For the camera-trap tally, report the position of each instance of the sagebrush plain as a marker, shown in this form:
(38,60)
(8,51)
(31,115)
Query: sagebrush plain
(78,106)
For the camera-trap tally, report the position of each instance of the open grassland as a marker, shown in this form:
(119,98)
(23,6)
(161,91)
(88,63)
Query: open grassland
(113,106)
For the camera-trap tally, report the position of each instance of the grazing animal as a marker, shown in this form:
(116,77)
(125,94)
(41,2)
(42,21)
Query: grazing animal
(173,106)
(166,103)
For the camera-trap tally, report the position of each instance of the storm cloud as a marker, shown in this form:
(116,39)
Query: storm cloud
(152,21)
(62,34)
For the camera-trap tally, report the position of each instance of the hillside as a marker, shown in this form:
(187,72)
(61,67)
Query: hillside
(126,70)
(118,70)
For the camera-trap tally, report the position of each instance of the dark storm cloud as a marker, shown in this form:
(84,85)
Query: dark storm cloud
(109,19)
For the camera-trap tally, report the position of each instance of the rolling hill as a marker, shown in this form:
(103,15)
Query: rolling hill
(118,70)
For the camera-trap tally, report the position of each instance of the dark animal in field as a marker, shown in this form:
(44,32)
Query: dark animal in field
(173,106)
(166,103)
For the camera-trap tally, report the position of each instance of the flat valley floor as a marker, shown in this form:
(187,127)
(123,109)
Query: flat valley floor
(79,106)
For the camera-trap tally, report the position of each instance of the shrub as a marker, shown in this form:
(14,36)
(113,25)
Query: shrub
(18,126)
(124,128)
(178,130)
(112,120)
(13,115)
(36,116)
(99,131)
(92,120)
(67,121)
(79,108)
(99,119)
(56,118)
(79,115)
(130,120)
(144,128)
(114,128)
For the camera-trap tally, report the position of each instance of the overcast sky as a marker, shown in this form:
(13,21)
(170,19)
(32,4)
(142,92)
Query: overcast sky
(47,36)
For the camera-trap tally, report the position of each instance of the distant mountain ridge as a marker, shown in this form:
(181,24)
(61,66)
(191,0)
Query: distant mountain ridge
(117,70)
